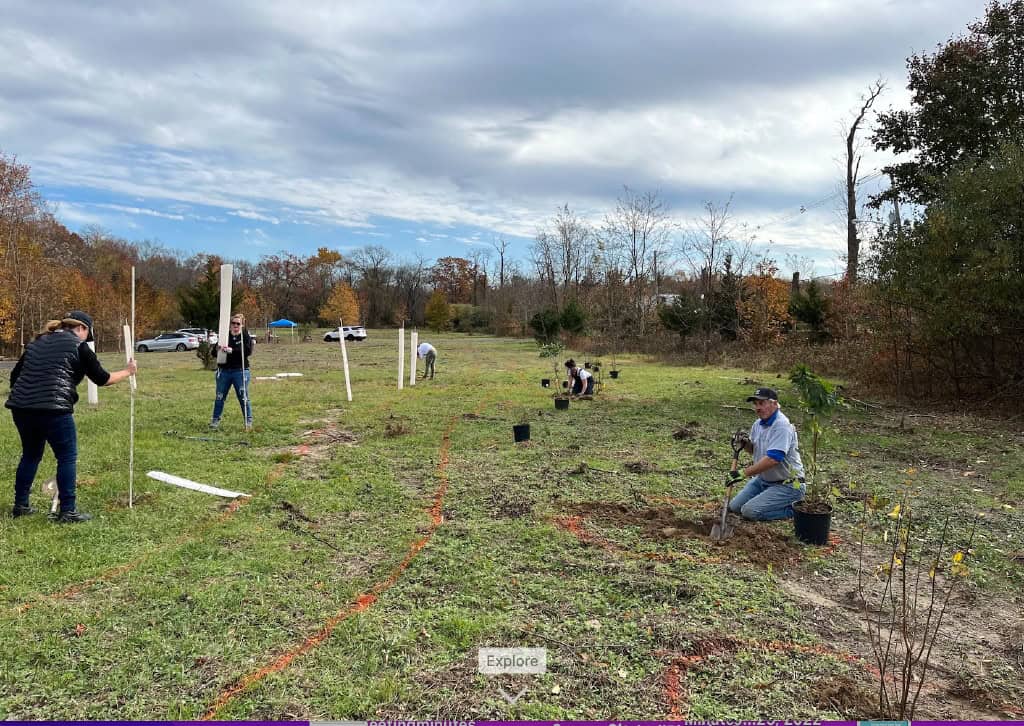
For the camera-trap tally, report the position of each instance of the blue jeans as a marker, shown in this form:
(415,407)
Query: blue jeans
(225,380)
(766,501)
(37,428)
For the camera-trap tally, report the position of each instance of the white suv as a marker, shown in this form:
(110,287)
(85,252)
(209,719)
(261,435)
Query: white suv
(351,332)
(202,334)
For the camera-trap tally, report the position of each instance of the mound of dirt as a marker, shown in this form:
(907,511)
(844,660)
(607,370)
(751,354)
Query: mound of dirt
(846,697)
(639,467)
(753,541)
(330,435)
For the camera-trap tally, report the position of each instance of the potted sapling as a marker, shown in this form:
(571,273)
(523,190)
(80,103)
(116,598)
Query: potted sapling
(812,515)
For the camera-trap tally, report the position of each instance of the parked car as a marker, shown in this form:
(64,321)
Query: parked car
(168,341)
(351,332)
(210,336)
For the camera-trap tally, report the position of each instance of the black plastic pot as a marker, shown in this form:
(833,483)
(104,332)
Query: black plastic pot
(546,382)
(562,404)
(812,527)
(587,364)
(565,384)
(521,432)
(613,374)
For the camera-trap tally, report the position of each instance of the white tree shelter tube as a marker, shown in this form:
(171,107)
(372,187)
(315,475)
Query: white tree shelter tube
(401,357)
(129,347)
(196,486)
(94,390)
(225,311)
(414,339)
(344,358)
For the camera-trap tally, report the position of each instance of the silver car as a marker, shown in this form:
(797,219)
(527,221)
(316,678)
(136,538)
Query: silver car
(168,341)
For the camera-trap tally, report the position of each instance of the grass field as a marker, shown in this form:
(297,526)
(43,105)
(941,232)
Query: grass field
(387,539)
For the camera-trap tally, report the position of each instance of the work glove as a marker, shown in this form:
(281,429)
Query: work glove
(740,439)
(733,478)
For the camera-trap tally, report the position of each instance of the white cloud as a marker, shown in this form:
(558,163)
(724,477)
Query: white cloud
(248,214)
(484,115)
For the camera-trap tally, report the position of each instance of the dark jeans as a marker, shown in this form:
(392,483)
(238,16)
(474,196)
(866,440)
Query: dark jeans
(577,387)
(428,368)
(225,380)
(36,429)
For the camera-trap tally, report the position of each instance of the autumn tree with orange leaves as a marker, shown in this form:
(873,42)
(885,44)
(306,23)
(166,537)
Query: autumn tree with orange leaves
(764,307)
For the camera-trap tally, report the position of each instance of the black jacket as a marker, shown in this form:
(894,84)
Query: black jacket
(234,358)
(50,369)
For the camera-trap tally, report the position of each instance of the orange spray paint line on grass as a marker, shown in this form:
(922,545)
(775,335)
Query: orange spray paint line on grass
(576,525)
(362,601)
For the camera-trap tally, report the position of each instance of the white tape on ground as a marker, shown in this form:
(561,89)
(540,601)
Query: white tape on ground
(189,484)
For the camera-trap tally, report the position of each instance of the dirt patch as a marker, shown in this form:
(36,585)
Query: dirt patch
(393,429)
(121,502)
(330,434)
(639,467)
(846,697)
(510,504)
(754,542)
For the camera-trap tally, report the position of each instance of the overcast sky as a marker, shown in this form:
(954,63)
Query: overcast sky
(246,128)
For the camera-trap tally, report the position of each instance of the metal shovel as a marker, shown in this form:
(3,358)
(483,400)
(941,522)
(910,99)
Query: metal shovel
(50,490)
(722,530)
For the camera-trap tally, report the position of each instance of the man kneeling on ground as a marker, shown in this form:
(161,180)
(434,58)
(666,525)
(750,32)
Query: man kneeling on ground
(776,476)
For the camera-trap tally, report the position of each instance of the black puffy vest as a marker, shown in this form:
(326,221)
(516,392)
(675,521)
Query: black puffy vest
(50,371)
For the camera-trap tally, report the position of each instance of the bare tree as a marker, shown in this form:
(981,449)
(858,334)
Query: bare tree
(558,254)
(710,238)
(373,264)
(853,159)
(542,257)
(639,229)
(478,269)
(500,246)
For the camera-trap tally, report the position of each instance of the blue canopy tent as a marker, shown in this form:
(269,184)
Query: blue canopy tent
(284,323)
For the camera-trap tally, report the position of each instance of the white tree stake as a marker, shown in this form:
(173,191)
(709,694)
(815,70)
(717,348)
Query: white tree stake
(245,386)
(195,486)
(94,390)
(225,311)
(401,357)
(344,357)
(129,347)
(414,339)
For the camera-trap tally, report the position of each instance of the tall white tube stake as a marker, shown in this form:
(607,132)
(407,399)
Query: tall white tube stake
(129,348)
(225,310)
(94,390)
(344,358)
(414,340)
(401,357)
(132,348)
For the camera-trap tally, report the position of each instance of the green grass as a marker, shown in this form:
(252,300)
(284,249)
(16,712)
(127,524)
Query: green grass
(152,612)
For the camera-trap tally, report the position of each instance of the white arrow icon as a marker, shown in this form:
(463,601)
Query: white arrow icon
(512,699)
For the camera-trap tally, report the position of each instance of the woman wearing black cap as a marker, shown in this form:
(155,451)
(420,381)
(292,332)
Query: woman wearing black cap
(42,401)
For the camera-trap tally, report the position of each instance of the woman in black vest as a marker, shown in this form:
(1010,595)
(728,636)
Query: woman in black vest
(42,402)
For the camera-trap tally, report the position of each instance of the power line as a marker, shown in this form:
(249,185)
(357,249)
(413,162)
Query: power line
(804,208)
